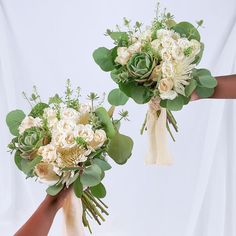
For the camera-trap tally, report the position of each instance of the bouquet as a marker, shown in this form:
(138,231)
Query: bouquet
(156,65)
(66,143)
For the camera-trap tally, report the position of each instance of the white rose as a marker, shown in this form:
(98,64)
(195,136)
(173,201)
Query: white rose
(156,45)
(165,85)
(46,174)
(63,140)
(123,55)
(136,47)
(171,95)
(70,114)
(156,73)
(196,46)
(51,116)
(84,111)
(166,54)
(177,53)
(85,132)
(48,153)
(29,122)
(64,126)
(168,69)
(168,43)
(99,139)
(163,33)
(146,35)
(183,43)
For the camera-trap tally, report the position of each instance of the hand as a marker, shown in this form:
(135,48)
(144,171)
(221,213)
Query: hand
(195,97)
(59,200)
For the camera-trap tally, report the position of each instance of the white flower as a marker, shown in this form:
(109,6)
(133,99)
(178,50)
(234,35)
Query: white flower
(84,108)
(196,47)
(156,45)
(136,47)
(85,132)
(163,33)
(184,43)
(165,85)
(168,43)
(69,114)
(29,122)
(48,153)
(51,116)
(46,174)
(63,140)
(171,95)
(168,69)
(65,126)
(84,112)
(123,55)
(99,139)
(166,54)
(177,53)
(146,35)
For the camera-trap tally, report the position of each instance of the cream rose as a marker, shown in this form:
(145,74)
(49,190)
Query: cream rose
(69,114)
(45,173)
(85,132)
(156,45)
(165,85)
(156,73)
(146,35)
(136,47)
(177,53)
(84,111)
(123,55)
(98,139)
(29,122)
(196,46)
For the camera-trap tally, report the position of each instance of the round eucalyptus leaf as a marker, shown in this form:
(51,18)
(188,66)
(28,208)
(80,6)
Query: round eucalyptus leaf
(98,191)
(176,104)
(204,92)
(117,98)
(55,189)
(78,188)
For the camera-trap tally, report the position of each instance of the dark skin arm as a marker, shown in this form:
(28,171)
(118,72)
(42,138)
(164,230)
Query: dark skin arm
(226,88)
(40,222)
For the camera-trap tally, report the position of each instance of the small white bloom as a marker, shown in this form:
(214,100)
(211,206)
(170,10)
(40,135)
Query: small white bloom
(156,45)
(184,43)
(84,108)
(123,55)
(163,33)
(196,47)
(29,122)
(168,69)
(48,153)
(99,139)
(136,47)
(177,53)
(171,95)
(146,35)
(166,54)
(51,116)
(85,132)
(70,114)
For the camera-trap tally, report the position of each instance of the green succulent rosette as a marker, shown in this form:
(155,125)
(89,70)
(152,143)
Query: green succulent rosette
(31,140)
(141,65)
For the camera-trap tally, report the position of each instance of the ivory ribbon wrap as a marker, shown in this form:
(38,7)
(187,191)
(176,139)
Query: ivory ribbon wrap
(158,152)
(73,210)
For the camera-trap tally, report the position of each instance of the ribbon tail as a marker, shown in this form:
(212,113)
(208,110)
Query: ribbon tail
(73,210)
(158,152)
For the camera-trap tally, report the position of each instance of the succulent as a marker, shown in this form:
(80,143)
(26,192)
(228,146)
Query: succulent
(141,65)
(30,141)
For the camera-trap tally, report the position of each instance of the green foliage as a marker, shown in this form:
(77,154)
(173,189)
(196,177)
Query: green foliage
(206,79)
(138,93)
(13,120)
(204,92)
(105,119)
(191,87)
(186,29)
(116,97)
(120,75)
(199,55)
(104,58)
(92,175)
(104,165)
(121,38)
(37,110)
(98,191)
(174,105)
(120,148)
(78,188)
(55,189)
(55,99)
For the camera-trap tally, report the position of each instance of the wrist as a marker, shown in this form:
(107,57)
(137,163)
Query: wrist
(52,202)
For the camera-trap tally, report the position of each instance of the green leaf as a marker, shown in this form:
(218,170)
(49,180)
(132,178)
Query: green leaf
(199,55)
(120,148)
(18,159)
(204,92)
(38,109)
(91,176)
(55,99)
(176,104)
(78,188)
(119,36)
(55,189)
(99,191)
(205,78)
(102,114)
(139,94)
(117,98)
(186,29)
(13,120)
(104,165)
(104,58)
(190,87)
(28,166)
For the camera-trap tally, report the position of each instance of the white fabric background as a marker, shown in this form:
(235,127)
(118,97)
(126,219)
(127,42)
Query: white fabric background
(44,42)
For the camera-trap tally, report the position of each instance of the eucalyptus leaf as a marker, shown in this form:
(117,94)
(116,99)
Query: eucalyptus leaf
(91,176)
(176,104)
(98,191)
(104,165)
(38,109)
(104,58)
(199,55)
(78,188)
(117,98)
(27,166)
(102,114)
(55,189)
(206,79)
(190,87)
(120,148)
(13,120)
(204,92)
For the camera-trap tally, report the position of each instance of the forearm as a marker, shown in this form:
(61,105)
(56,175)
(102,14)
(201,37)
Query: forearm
(226,88)
(40,222)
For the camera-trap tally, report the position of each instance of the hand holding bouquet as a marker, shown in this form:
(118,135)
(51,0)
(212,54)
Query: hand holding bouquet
(66,143)
(156,65)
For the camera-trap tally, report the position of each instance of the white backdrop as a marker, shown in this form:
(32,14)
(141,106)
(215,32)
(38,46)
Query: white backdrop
(44,42)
